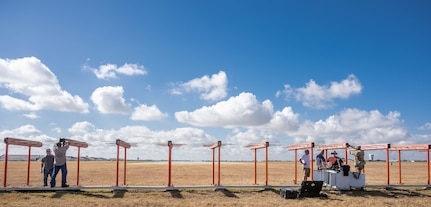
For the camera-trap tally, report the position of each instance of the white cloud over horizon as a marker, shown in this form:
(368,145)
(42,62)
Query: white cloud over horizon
(241,110)
(248,119)
(29,77)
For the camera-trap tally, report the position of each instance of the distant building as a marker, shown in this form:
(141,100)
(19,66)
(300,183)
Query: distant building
(20,157)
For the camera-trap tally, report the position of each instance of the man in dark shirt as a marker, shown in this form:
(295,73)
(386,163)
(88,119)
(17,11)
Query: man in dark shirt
(47,166)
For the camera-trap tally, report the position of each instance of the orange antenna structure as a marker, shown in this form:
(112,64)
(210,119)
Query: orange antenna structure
(213,147)
(170,146)
(78,144)
(295,148)
(125,145)
(254,147)
(21,142)
(418,147)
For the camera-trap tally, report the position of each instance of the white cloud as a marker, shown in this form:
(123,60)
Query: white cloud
(29,77)
(353,125)
(143,139)
(322,97)
(147,113)
(285,120)
(31,115)
(81,128)
(212,88)
(109,100)
(109,71)
(242,110)
(426,126)
(57,130)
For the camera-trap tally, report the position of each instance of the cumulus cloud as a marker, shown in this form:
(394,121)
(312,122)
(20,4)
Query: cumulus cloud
(144,141)
(426,126)
(242,110)
(322,97)
(109,100)
(353,125)
(285,120)
(212,88)
(29,77)
(110,71)
(81,128)
(31,115)
(147,113)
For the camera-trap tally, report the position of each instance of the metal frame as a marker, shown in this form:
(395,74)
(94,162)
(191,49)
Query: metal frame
(125,145)
(20,142)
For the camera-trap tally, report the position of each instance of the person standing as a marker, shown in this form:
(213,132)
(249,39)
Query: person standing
(47,166)
(305,161)
(320,160)
(359,157)
(60,149)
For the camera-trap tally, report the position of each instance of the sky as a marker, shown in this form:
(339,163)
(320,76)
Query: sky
(195,72)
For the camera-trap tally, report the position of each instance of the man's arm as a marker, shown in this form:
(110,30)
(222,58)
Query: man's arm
(42,164)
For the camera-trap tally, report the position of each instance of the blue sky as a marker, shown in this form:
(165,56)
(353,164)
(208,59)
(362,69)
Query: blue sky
(199,71)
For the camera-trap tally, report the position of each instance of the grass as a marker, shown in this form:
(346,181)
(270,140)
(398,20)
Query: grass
(153,174)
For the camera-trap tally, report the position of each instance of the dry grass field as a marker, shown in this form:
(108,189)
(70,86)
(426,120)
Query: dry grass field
(200,174)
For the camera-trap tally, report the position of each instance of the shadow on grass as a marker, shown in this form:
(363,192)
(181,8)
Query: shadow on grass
(393,193)
(176,194)
(119,193)
(58,194)
(228,193)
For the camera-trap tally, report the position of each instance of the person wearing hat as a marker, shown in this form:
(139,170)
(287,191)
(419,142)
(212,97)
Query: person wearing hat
(47,166)
(359,157)
(335,161)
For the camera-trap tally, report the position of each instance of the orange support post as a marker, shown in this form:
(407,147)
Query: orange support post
(213,147)
(387,167)
(218,165)
(255,147)
(213,166)
(169,163)
(118,164)
(170,146)
(125,145)
(295,168)
(79,144)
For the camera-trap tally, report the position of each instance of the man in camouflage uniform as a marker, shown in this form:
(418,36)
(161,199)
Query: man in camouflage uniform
(359,158)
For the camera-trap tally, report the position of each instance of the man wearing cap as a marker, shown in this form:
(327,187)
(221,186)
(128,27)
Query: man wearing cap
(335,161)
(47,166)
(359,157)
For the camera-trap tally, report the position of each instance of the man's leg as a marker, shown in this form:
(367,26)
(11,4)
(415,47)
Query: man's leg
(54,175)
(45,177)
(50,174)
(63,175)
